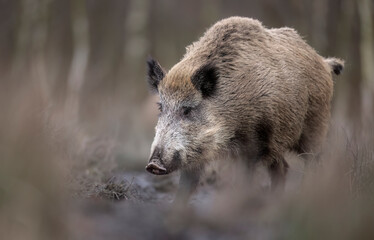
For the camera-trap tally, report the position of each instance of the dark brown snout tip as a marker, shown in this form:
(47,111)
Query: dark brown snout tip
(155,169)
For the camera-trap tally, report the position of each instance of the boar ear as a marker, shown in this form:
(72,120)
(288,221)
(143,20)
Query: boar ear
(205,79)
(155,74)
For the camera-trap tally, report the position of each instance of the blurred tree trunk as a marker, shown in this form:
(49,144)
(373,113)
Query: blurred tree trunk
(354,63)
(106,39)
(334,22)
(79,61)
(59,48)
(136,50)
(28,63)
(30,38)
(10,12)
(365,8)
(320,20)
(340,44)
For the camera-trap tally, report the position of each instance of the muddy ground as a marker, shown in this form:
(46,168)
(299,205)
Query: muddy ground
(138,205)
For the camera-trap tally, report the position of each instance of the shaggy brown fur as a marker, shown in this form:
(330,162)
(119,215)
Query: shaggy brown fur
(252,91)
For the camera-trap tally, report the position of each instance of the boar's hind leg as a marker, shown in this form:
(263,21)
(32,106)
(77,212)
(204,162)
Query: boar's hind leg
(188,182)
(309,146)
(278,170)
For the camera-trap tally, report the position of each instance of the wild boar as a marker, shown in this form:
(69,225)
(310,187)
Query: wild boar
(242,89)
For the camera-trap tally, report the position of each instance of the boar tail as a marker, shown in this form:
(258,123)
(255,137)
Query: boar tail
(336,65)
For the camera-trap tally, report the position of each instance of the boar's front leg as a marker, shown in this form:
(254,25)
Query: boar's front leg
(278,170)
(189,179)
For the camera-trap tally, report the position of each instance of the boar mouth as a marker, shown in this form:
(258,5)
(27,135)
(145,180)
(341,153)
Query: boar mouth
(156,169)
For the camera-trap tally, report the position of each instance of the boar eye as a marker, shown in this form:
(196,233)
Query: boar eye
(159,105)
(186,111)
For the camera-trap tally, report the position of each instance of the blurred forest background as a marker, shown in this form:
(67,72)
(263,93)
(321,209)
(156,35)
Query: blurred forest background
(73,93)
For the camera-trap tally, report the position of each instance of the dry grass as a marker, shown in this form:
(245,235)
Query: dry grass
(114,189)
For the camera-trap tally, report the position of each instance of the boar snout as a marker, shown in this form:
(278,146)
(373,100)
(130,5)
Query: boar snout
(155,167)
(161,164)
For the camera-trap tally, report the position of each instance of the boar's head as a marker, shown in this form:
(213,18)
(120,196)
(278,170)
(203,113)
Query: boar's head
(186,132)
